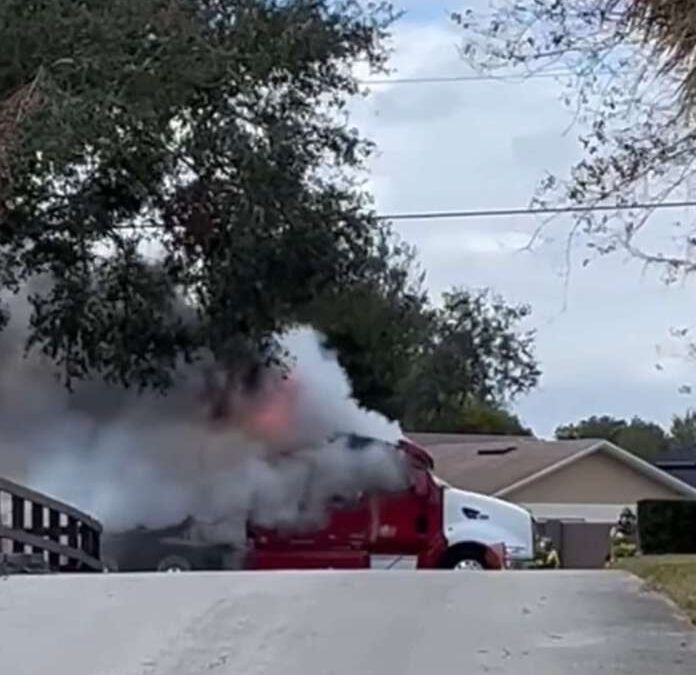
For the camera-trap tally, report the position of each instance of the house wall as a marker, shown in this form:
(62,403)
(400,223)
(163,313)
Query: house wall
(589,513)
(595,479)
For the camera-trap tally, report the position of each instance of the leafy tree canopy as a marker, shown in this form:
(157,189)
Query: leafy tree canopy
(476,351)
(450,368)
(184,176)
(683,431)
(206,133)
(474,417)
(379,327)
(605,427)
(645,439)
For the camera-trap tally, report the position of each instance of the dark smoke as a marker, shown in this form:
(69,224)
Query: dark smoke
(271,453)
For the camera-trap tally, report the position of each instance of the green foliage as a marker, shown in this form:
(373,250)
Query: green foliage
(683,431)
(474,417)
(642,438)
(378,327)
(605,427)
(209,135)
(645,439)
(205,131)
(667,526)
(476,352)
(449,369)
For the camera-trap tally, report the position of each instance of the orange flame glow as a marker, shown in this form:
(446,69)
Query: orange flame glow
(271,415)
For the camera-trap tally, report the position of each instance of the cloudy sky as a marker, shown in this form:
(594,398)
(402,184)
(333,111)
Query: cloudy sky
(481,145)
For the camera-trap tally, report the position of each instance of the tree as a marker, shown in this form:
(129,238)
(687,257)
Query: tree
(683,431)
(378,327)
(476,353)
(645,439)
(453,368)
(669,26)
(631,85)
(642,438)
(208,131)
(605,427)
(474,417)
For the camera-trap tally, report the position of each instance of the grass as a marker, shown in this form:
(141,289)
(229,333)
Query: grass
(673,575)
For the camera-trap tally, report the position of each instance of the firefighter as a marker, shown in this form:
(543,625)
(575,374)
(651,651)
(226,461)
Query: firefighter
(623,540)
(547,557)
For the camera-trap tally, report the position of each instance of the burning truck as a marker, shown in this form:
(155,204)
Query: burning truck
(426,524)
(234,472)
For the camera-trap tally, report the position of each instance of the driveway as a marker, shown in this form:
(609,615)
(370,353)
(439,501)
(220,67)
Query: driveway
(369,623)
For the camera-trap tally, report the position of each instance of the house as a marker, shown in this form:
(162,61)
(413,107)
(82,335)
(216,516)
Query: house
(575,489)
(680,464)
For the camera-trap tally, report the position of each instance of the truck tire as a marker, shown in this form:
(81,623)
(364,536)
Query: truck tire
(174,563)
(465,557)
(109,564)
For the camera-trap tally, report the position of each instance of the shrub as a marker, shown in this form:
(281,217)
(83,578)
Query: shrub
(667,526)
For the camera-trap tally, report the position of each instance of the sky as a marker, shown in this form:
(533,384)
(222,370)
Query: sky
(482,145)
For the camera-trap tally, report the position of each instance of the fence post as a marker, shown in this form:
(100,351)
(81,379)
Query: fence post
(53,535)
(37,524)
(17,521)
(72,540)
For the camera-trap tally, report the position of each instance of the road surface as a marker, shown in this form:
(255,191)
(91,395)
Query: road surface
(369,623)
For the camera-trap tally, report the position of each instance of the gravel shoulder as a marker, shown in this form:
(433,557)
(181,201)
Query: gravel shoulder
(673,575)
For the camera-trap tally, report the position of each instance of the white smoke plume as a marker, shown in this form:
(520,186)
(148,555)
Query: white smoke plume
(149,460)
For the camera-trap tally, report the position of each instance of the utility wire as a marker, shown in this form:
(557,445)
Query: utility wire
(498,213)
(466,78)
(530,211)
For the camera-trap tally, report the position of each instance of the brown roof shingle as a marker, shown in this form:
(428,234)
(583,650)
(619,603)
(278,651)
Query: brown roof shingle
(480,463)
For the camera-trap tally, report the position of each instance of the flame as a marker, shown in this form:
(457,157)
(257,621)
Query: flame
(272,414)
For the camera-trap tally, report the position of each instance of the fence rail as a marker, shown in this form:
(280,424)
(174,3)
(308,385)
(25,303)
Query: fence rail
(52,535)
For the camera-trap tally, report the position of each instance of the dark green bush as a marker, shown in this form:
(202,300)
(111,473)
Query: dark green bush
(667,526)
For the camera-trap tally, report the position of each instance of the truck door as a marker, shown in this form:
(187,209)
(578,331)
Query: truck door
(342,544)
(403,523)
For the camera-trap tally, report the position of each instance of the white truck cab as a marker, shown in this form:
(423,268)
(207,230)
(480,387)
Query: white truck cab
(474,522)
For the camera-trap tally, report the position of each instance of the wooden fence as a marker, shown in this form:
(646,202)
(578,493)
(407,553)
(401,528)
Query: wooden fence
(580,545)
(41,532)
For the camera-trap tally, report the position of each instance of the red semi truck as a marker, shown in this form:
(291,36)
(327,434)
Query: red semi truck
(431,525)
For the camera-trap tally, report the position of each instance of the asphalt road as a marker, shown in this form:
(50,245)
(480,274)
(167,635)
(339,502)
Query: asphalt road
(370,623)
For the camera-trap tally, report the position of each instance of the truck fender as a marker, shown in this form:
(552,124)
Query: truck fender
(484,532)
(473,555)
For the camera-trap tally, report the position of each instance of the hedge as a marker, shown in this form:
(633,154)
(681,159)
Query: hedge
(667,526)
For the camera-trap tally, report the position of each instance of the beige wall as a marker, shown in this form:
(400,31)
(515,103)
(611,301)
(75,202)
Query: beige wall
(597,478)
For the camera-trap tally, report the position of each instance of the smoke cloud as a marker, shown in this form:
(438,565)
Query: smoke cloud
(277,460)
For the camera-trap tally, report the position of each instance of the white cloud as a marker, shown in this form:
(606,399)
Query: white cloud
(477,145)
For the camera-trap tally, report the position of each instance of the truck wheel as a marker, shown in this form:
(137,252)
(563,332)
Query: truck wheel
(465,558)
(470,564)
(174,563)
(109,564)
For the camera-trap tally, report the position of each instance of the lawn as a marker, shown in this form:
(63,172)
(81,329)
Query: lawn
(670,574)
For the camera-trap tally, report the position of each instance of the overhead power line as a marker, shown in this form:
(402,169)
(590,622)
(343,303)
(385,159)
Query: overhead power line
(465,78)
(500,213)
(540,211)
